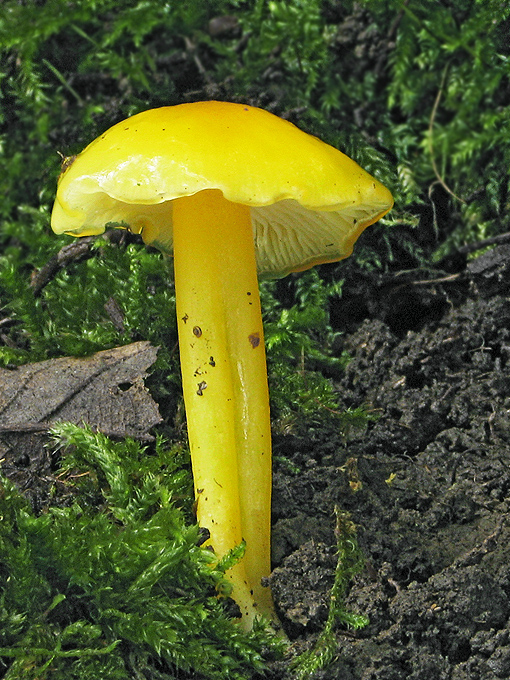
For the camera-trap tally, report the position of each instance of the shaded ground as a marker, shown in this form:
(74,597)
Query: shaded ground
(426,483)
(431,358)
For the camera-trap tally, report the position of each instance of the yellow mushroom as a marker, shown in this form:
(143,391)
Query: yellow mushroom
(231,191)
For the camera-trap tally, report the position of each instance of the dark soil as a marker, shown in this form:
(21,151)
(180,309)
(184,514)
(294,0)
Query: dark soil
(431,358)
(426,482)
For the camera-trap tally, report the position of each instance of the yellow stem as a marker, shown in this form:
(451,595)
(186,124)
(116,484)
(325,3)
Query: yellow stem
(224,378)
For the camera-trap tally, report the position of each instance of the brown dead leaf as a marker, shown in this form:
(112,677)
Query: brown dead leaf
(105,391)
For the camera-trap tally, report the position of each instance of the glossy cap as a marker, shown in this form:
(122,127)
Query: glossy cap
(309,202)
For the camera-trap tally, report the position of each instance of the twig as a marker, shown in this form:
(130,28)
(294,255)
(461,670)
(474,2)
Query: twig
(475,555)
(389,38)
(69,253)
(64,82)
(192,50)
(430,137)
(431,282)
(76,250)
(478,245)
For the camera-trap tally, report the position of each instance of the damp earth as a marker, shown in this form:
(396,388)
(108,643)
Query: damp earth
(426,482)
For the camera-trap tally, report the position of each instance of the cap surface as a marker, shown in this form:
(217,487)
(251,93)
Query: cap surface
(309,202)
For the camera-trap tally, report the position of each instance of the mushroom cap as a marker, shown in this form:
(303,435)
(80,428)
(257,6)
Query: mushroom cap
(308,201)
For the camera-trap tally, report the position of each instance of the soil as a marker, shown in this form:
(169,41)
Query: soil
(426,483)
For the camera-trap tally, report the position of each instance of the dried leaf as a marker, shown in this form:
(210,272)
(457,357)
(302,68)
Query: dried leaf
(105,390)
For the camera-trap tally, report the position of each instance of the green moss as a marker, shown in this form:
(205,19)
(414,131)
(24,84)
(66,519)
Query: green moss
(116,585)
(418,93)
(350,563)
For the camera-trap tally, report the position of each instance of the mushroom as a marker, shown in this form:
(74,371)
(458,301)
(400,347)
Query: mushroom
(231,191)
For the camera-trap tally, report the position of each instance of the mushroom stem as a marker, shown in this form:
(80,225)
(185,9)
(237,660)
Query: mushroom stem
(224,379)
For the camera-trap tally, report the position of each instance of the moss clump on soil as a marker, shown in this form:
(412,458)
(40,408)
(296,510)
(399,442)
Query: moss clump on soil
(114,583)
(350,563)
(417,93)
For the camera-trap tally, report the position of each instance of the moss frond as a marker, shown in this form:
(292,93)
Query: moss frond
(116,583)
